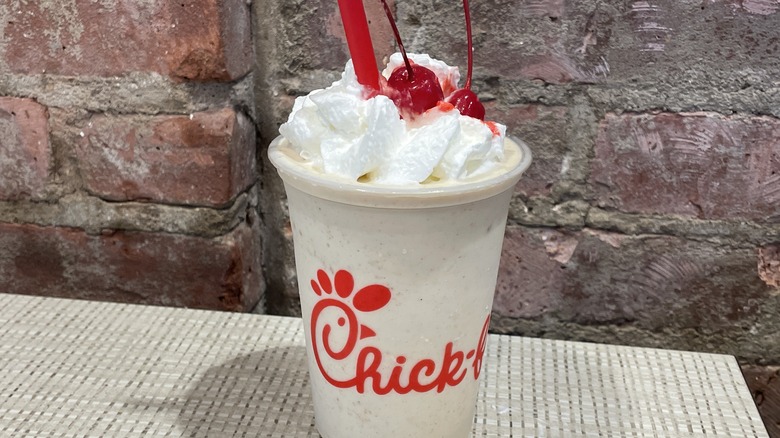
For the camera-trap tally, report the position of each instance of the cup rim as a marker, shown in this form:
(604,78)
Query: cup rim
(298,175)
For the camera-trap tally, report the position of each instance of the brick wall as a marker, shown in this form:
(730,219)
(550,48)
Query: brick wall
(651,213)
(129,164)
(127,152)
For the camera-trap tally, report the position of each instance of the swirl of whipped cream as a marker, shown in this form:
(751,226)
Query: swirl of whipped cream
(341,133)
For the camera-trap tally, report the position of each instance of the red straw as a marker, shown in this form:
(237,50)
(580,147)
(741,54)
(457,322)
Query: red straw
(359,41)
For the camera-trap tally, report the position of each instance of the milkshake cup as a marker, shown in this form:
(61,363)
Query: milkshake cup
(396,285)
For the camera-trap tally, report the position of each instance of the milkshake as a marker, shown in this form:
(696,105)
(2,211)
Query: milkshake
(398,198)
(396,287)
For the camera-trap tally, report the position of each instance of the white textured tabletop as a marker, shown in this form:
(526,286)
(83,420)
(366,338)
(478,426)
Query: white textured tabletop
(78,368)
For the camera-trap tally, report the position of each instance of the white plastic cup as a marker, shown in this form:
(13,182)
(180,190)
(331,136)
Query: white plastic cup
(396,287)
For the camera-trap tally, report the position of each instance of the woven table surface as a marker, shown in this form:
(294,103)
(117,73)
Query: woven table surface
(78,368)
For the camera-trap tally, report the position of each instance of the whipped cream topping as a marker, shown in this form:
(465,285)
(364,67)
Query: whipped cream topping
(340,133)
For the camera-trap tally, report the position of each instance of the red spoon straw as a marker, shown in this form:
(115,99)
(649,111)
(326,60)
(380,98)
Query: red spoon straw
(359,41)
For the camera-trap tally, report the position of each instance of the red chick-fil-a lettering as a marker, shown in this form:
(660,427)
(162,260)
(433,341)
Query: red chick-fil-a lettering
(423,375)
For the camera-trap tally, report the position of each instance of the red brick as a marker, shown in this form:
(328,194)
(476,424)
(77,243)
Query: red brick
(651,282)
(769,265)
(25,152)
(543,129)
(205,159)
(136,267)
(764,384)
(696,164)
(190,39)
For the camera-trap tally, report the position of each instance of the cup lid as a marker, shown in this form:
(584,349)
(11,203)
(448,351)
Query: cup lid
(295,172)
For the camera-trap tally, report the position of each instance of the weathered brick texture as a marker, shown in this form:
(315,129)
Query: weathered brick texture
(107,138)
(137,267)
(25,151)
(203,159)
(700,165)
(187,39)
(559,42)
(650,283)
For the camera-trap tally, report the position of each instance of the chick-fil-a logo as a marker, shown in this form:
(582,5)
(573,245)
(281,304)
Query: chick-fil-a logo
(344,308)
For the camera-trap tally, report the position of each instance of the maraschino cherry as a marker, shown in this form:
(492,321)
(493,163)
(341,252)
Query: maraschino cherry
(465,100)
(414,88)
